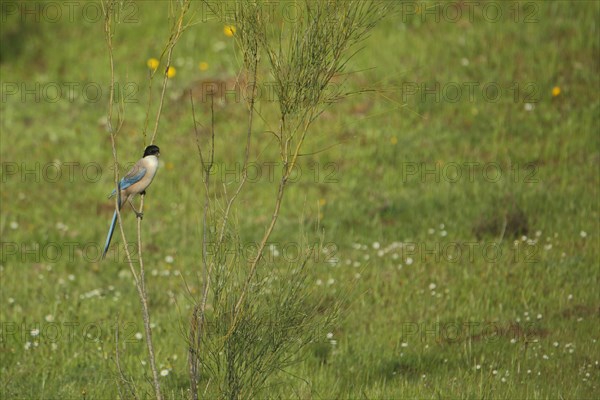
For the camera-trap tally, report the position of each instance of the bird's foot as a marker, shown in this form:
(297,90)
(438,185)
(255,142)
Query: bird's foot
(140,215)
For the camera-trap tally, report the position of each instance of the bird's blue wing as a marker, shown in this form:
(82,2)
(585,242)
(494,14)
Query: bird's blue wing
(132,177)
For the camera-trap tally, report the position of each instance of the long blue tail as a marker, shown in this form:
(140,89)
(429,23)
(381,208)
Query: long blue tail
(111,230)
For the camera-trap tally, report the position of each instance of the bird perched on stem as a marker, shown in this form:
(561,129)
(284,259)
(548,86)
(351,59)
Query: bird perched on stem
(136,181)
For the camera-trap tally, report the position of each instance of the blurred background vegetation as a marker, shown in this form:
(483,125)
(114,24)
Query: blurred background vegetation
(378,185)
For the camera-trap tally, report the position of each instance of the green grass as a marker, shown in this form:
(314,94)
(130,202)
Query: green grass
(520,325)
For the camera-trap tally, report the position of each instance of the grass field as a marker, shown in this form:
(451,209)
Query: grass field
(457,196)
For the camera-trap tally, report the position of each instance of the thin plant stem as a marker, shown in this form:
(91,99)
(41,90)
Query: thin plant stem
(175,35)
(231,200)
(197,320)
(246,155)
(118,362)
(138,279)
(280,192)
(145,308)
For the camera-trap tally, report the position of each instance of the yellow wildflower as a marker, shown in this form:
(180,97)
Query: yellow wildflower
(229,30)
(152,63)
(203,66)
(171,72)
(555,91)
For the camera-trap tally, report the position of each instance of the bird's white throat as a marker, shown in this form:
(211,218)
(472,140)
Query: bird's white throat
(152,161)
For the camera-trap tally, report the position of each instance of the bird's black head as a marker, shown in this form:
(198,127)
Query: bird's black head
(152,150)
